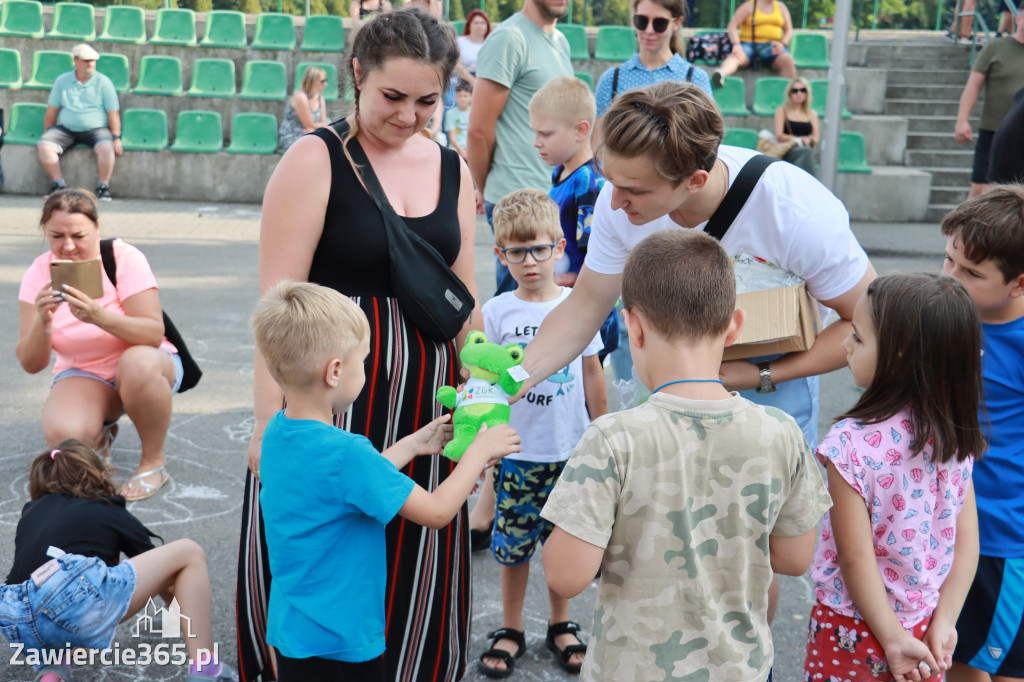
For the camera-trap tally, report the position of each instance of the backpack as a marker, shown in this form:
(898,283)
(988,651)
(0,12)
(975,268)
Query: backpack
(710,48)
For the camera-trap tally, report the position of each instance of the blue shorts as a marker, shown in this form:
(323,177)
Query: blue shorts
(990,632)
(179,374)
(764,52)
(521,489)
(79,605)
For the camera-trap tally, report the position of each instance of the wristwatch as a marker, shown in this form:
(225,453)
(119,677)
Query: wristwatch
(117,137)
(765,370)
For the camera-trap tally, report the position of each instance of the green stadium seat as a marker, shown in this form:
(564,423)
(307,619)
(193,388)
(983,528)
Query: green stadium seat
(174,27)
(10,69)
(212,78)
(253,134)
(810,51)
(224,28)
(819,96)
(576,34)
(732,97)
(615,43)
(46,66)
(274,31)
(73,21)
(26,123)
(459,25)
(741,137)
(199,131)
(115,67)
(331,93)
(263,79)
(323,33)
(21,19)
(586,78)
(144,130)
(769,93)
(123,24)
(159,75)
(852,155)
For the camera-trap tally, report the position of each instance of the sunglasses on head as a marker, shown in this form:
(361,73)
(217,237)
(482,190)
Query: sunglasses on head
(796,90)
(660,24)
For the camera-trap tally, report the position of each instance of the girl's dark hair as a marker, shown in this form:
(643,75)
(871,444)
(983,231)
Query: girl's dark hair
(677,8)
(473,15)
(928,362)
(408,33)
(71,201)
(71,468)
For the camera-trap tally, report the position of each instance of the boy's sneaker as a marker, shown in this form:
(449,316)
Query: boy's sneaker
(103,193)
(226,675)
(716,79)
(56,187)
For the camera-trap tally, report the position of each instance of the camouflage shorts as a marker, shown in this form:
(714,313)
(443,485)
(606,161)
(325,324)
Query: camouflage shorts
(521,489)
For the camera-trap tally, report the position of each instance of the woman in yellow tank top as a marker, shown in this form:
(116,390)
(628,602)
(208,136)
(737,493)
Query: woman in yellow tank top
(759,30)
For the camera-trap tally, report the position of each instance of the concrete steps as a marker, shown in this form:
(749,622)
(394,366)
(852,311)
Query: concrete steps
(932,76)
(924,91)
(933,141)
(919,107)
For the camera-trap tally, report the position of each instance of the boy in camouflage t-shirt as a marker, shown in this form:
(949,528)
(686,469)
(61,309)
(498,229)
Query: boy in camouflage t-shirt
(689,502)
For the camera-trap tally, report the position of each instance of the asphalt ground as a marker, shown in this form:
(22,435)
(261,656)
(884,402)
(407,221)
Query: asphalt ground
(204,257)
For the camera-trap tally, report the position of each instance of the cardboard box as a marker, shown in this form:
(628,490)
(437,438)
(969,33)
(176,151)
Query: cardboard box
(781,320)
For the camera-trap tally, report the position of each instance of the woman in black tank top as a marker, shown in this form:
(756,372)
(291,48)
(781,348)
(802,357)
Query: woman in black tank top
(320,225)
(796,120)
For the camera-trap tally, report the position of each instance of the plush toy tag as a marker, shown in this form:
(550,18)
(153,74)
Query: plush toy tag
(40,575)
(518,373)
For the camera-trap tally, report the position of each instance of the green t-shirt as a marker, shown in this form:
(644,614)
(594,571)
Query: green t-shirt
(683,496)
(83,106)
(1002,62)
(521,56)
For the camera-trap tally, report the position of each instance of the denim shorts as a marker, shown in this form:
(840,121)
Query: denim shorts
(765,55)
(79,605)
(64,139)
(179,374)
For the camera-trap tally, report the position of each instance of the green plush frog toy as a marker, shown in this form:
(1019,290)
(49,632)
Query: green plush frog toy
(484,398)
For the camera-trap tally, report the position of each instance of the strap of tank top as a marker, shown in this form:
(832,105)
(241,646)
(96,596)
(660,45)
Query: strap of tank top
(338,161)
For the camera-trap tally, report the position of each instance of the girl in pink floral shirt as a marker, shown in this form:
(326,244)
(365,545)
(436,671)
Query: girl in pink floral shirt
(899,548)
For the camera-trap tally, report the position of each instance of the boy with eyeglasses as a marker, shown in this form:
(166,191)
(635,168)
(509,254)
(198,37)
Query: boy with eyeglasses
(550,419)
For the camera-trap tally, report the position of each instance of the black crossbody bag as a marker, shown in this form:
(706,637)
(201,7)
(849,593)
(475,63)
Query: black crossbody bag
(192,372)
(737,195)
(431,296)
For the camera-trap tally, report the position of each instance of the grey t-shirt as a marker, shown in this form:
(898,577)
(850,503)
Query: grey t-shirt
(521,56)
(1002,62)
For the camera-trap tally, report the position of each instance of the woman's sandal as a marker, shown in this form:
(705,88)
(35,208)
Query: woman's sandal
(110,430)
(516,636)
(148,489)
(563,655)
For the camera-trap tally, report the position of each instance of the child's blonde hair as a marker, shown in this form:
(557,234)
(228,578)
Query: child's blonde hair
(525,215)
(567,99)
(682,282)
(300,325)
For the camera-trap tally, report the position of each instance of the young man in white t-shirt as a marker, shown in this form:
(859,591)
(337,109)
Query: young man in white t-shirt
(551,418)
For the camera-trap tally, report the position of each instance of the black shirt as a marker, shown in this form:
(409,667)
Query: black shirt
(1006,160)
(95,528)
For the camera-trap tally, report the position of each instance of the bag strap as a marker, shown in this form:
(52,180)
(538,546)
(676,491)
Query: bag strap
(615,82)
(109,264)
(737,195)
(373,186)
(689,74)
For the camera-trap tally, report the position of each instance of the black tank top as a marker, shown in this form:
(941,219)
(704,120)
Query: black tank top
(352,255)
(799,128)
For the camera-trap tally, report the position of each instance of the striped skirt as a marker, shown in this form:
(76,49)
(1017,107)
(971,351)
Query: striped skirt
(428,596)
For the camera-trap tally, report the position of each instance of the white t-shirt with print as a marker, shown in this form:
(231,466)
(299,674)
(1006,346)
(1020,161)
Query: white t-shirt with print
(552,416)
(790,219)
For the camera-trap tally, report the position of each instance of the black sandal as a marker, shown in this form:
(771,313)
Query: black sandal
(516,636)
(563,655)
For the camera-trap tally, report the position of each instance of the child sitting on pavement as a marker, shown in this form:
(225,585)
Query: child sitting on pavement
(326,493)
(550,418)
(76,598)
(985,253)
(688,502)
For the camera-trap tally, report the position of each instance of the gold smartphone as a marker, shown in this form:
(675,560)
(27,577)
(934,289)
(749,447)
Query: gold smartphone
(83,275)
